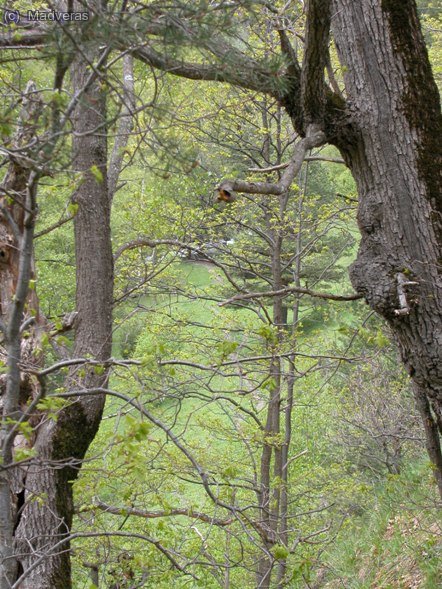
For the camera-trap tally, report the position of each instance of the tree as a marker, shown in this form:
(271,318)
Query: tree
(395,98)
(93,337)
(386,124)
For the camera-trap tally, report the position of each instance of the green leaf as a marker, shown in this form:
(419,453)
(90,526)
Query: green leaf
(73,207)
(97,173)
(280,552)
(23,453)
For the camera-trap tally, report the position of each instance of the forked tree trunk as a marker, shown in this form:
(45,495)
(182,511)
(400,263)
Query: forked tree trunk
(396,161)
(46,521)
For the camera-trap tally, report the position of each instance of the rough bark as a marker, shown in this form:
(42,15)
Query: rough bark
(396,162)
(46,522)
(313,89)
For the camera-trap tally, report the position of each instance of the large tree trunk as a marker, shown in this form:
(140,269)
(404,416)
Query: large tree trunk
(396,161)
(46,522)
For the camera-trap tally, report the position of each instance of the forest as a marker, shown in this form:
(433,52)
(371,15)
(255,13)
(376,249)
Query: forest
(221,294)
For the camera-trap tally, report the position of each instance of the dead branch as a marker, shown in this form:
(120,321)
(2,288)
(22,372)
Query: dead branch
(314,138)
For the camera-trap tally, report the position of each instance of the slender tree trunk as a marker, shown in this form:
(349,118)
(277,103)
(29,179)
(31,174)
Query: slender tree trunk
(125,124)
(288,409)
(396,160)
(267,512)
(47,515)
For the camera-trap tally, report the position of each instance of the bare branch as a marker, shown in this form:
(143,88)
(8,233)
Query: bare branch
(191,513)
(60,545)
(76,362)
(290,290)
(314,138)
(56,225)
(255,359)
(146,242)
(309,158)
(199,469)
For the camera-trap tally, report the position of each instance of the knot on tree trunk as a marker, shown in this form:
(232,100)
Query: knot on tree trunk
(385,285)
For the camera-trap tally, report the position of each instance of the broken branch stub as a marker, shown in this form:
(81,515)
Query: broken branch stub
(315,137)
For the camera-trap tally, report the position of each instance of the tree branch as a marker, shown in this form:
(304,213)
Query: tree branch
(52,550)
(157,514)
(212,367)
(313,87)
(309,158)
(202,472)
(146,242)
(313,138)
(291,290)
(56,225)
(251,78)
(124,127)
(23,39)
